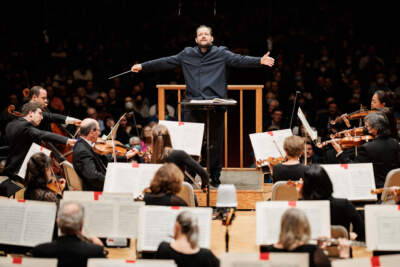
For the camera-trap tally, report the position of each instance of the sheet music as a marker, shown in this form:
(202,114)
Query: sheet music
(268,216)
(186,136)
(274,260)
(113,131)
(35,148)
(352,181)
(126,263)
(214,100)
(382,227)
(269,144)
(385,261)
(156,224)
(91,195)
(27,262)
(26,223)
(128,177)
(313,134)
(110,218)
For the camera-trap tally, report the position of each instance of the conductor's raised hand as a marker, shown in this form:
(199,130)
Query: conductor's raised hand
(267,60)
(136,68)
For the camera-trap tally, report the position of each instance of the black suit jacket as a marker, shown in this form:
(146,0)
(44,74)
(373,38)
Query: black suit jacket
(48,118)
(383,152)
(90,167)
(20,135)
(69,250)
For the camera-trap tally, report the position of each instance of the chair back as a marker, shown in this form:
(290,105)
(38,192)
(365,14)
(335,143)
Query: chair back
(73,180)
(282,191)
(392,179)
(187,194)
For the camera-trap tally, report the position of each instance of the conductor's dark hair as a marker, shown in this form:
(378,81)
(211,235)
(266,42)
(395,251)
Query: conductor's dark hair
(204,26)
(317,185)
(35,91)
(30,106)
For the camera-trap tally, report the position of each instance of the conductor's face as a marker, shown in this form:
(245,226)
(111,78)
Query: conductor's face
(204,38)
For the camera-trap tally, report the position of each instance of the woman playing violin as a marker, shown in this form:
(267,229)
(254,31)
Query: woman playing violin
(40,182)
(382,151)
(291,169)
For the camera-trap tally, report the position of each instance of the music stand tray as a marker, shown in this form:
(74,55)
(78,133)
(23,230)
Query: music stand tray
(208,105)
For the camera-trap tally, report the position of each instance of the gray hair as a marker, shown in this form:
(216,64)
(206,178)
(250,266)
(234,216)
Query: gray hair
(87,125)
(189,227)
(70,218)
(378,121)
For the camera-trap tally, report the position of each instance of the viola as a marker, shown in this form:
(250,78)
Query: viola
(102,147)
(11,110)
(297,184)
(271,161)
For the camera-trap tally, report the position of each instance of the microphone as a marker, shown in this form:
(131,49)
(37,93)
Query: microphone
(294,105)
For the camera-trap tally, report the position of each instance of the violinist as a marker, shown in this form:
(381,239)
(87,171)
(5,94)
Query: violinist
(90,166)
(291,169)
(38,94)
(382,151)
(22,132)
(38,178)
(383,101)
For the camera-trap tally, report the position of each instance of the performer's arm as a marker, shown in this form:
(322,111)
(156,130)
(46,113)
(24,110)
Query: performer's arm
(164,63)
(58,118)
(240,61)
(40,135)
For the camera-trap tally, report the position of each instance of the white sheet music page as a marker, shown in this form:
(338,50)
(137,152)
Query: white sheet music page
(104,218)
(264,260)
(382,227)
(35,148)
(95,195)
(384,261)
(26,222)
(156,224)
(17,261)
(129,177)
(269,213)
(352,181)
(186,136)
(128,263)
(269,144)
(313,134)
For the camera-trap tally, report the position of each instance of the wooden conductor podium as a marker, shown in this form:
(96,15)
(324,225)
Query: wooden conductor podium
(246,197)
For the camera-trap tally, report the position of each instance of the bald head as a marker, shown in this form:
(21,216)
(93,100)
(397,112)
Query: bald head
(88,125)
(70,218)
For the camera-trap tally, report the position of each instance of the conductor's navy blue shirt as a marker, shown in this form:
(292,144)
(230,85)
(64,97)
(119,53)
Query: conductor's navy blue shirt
(205,73)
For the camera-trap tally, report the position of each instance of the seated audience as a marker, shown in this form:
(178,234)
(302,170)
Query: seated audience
(72,248)
(163,152)
(185,249)
(294,237)
(318,186)
(39,177)
(166,183)
(291,169)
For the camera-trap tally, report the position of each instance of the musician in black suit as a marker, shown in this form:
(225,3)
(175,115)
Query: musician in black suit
(90,166)
(382,151)
(72,248)
(38,94)
(22,132)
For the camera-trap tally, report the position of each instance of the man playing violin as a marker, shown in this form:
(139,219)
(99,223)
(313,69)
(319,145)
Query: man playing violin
(382,151)
(22,132)
(90,166)
(38,94)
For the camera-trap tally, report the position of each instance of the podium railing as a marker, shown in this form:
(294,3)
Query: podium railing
(241,88)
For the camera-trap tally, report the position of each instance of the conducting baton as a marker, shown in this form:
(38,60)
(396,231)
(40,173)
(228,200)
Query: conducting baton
(112,77)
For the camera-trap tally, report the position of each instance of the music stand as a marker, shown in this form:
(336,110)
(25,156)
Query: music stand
(208,105)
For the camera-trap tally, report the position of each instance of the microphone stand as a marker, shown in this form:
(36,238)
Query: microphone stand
(294,106)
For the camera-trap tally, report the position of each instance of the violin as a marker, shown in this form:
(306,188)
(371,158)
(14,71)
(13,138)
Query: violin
(54,185)
(11,110)
(381,190)
(359,114)
(349,141)
(102,147)
(352,132)
(271,161)
(297,184)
